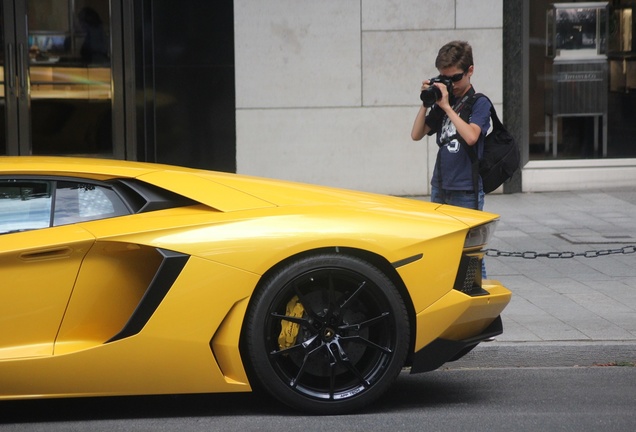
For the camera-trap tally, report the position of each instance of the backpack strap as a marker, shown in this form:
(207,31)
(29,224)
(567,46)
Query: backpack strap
(496,123)
(464,114)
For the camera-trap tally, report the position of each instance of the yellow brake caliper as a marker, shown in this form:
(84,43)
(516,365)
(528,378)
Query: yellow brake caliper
(288,329)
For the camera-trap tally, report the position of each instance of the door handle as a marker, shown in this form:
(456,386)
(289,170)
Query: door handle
(22,79)
(44,254)
(10,68)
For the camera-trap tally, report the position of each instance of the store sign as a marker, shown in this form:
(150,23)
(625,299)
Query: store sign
(586,76)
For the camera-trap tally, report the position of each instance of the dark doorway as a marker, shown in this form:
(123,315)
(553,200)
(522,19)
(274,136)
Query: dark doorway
(59,78)
(185,83)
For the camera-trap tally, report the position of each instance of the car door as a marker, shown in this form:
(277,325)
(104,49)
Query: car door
(42,245)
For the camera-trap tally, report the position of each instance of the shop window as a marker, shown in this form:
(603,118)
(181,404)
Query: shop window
(582,87)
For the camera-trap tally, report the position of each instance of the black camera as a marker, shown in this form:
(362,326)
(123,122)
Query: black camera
(432,94)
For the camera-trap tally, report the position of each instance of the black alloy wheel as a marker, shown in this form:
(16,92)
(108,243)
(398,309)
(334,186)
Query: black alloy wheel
(327,334)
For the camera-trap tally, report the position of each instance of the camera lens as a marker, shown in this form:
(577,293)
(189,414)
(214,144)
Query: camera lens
(430,96)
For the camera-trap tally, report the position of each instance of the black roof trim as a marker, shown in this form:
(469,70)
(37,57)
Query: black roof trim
(144,197)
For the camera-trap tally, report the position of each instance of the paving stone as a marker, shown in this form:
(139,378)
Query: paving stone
(566,299)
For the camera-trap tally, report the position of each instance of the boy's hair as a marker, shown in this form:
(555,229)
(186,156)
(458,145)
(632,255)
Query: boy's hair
(455,53)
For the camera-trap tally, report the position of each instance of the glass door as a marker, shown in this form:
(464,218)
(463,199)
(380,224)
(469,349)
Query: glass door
(59,78)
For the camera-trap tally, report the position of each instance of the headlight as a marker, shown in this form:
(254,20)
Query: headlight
(480,235)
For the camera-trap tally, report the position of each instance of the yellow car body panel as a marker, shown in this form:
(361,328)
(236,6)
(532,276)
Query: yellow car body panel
(239,239)
(49,258)
(456,316)
(83,335)
(151,362)
(100,307)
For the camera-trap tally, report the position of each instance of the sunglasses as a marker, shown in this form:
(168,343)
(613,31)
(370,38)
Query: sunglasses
(454,78)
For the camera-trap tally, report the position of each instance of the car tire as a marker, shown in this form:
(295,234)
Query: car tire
(326,334)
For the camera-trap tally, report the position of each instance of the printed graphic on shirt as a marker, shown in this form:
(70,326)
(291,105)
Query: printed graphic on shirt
(448,135)
(453,146)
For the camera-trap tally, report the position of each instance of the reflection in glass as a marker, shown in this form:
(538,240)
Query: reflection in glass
(81,202)
(70,76)
(576,29)
(3,115)
(24,205)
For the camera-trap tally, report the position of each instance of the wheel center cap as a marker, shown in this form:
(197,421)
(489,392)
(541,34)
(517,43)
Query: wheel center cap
(328,334)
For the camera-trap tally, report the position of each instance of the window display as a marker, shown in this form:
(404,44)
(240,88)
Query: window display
(577,30)
(582,79)
(578,70)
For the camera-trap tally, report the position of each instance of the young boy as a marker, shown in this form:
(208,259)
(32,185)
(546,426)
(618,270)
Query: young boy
(452,181)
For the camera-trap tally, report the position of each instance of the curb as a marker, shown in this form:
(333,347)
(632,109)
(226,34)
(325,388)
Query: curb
(548,354)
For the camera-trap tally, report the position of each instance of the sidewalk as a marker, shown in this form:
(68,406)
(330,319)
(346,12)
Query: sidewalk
(564,311)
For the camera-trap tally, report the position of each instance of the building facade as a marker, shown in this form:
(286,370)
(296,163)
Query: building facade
(148,80)
(320,92)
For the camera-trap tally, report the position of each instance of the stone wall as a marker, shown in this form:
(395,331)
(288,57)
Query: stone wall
(326,91)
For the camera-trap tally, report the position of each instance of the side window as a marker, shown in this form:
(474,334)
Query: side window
(24,205)
(81,202)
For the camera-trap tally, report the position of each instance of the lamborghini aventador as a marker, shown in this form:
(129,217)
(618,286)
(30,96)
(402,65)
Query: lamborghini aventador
(124,278)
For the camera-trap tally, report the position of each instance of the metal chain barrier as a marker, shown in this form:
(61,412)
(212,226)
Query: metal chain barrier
(588,254)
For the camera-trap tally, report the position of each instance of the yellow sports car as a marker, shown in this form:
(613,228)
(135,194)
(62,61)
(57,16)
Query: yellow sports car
(124,278)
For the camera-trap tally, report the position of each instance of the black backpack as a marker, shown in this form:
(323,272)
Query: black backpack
(500,159)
